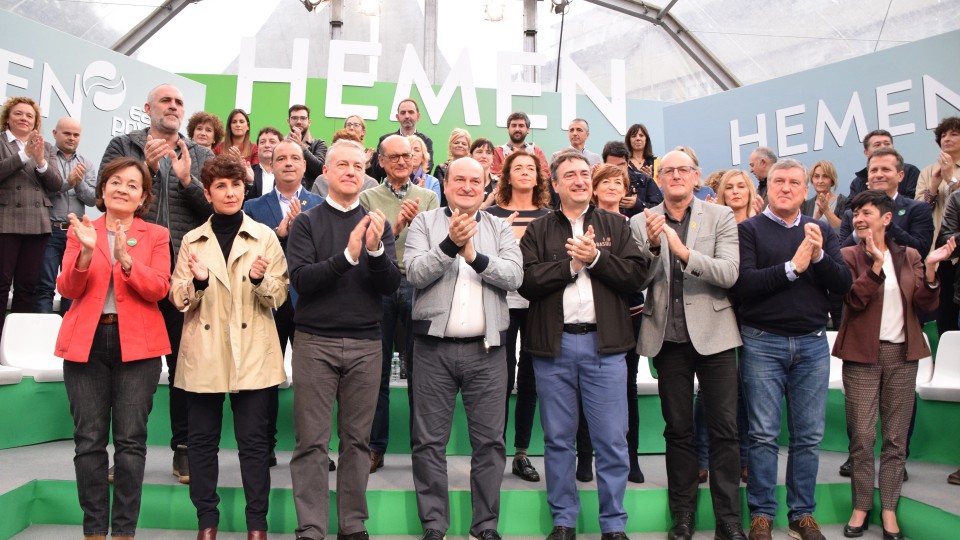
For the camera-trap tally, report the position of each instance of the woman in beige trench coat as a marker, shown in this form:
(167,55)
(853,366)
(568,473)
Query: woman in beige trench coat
(230,275)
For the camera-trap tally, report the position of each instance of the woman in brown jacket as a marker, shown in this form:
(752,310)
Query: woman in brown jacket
(880,341)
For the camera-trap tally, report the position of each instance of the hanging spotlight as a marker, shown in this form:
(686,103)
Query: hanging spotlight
(311,5)
(370,8)
(560,7)
(493,11)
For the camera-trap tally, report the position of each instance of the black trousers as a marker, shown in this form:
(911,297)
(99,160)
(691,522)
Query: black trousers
(676,366)
(250,425)
(520,372)
(173,320)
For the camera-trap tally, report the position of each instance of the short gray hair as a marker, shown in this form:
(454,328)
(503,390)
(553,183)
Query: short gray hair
(343,143)
(787,163)
(767,153)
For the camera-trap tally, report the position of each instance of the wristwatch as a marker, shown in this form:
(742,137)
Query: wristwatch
(953,181)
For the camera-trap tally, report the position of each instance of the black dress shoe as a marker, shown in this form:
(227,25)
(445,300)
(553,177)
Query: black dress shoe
(856,532)
(359,535)
(584,469)
(846,469)
(617,535)
(524,469)
(905,475)
(683,527)
(887,535)
(433,534)
(332,465)
(635,475)
(562,533)
(487,534)
(272,460)
(729,531)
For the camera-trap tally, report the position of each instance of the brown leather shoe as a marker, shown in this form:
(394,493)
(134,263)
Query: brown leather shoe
(744,474)
(207,534)
(257,535)
(99,537)
(954,478)
(760,528)
(703,475)
(122,538)
(376,461)
(182,464)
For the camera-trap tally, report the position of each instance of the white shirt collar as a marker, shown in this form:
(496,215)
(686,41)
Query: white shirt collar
(340,207)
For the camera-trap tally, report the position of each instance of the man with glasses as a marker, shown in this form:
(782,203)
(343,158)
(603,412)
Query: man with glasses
(314,150)
(408,114)
(788,264)
(692,331)
(400,200)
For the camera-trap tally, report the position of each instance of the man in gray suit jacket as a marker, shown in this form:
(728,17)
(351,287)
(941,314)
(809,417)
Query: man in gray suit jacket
(689,328)
(462,263)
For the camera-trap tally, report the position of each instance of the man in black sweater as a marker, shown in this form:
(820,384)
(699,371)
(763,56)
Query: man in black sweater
(342,261)
(788,263)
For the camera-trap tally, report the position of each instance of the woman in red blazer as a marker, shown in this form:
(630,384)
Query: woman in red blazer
(115,269)
(880,341)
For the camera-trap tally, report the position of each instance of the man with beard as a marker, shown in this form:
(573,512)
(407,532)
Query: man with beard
(518,126)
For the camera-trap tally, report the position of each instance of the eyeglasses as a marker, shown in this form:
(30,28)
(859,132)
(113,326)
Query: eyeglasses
(351,125)
(682,171)
(395,158)
(299,118)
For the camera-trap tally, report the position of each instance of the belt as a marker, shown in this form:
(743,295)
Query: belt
(108,318)
(461,339)
(580,328)
(62,225)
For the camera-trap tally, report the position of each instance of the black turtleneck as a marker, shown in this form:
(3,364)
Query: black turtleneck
(226,228)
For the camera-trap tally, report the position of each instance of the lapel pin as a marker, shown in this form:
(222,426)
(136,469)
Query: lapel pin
(132,242)
(902,211)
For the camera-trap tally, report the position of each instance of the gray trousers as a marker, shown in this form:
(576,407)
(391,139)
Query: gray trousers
(325,369)
(443,369)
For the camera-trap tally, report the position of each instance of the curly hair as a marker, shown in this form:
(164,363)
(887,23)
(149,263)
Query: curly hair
(951,123)
(113,168)
(202,117)
(16,100)
(541,191)
(223,166)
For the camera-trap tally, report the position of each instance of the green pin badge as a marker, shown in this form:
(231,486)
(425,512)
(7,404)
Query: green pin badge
(132,242)
(902,211)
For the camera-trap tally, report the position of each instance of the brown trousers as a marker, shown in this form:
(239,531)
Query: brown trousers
(889,385)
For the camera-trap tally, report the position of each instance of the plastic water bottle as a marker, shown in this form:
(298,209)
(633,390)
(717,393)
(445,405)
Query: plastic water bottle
(395,369)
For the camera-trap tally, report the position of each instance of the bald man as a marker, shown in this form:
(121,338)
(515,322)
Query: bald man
(77,192)
(462,262)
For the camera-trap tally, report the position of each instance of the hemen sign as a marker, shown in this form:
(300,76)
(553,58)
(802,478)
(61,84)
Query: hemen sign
(824,113)
(340,79)
(789,132)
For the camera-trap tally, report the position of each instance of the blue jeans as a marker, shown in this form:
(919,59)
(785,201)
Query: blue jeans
(101,389)
(397,310)
(580,375)
(799,367)
(49,270)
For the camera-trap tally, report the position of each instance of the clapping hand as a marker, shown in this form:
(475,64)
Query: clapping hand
(582,249)
(259,268)
(34,148)
(655,224)
(375,230)
(120,247)
(199,270)
(83,231)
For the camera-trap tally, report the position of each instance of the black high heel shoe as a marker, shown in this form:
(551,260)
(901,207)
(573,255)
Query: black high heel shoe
(855,532)
(887,535)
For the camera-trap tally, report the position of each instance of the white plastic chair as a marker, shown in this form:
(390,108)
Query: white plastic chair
(945,383)
(288,366)
(836,364)
(646,384)
(164,372)
(10,375)
(28,342)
